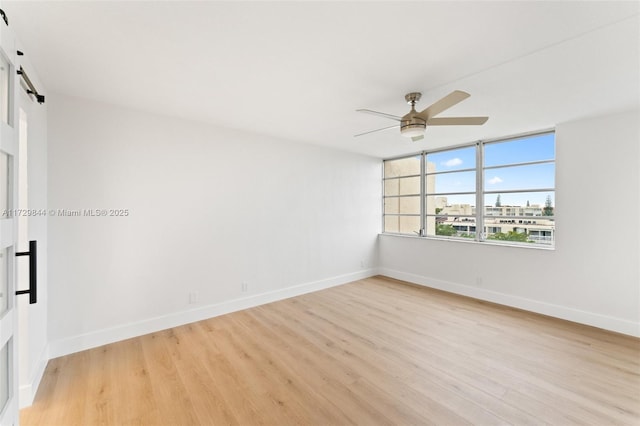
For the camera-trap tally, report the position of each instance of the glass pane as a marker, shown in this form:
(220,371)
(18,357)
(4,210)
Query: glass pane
(526,204)
(450,227)
(521,230)
(402,205)
(455,159)
(410,224)
(529,217)
(4,282)
(402,167)
(4,90)
(451,204)
(402,224)
(4,184)
(532,148)
(402,186)
(451,182)
(4,376)
(391,223)
(520,177)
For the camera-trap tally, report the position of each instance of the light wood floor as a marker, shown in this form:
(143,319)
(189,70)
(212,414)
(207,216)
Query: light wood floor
(372,352)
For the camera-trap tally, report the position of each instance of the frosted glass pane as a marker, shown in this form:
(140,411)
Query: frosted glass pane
(4,90)
(4,376)
(4,282)
(4,184)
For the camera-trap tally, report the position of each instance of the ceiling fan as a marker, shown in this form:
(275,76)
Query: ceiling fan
(414,123)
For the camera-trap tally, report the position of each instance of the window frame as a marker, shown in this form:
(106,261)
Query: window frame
(420,194)
(479,218)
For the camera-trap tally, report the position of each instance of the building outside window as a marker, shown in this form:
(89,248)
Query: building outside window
(402,197)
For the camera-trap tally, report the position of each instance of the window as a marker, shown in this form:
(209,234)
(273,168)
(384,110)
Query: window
(519,183)
(450,189)
(402,195)
(436,194)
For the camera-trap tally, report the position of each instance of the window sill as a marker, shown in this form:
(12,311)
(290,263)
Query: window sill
(531,246)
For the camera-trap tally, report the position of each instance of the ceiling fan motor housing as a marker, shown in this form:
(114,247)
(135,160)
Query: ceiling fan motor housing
(414,126)
(411,125)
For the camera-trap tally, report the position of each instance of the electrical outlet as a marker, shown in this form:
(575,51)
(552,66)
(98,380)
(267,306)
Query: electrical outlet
(245,286)
(193,298)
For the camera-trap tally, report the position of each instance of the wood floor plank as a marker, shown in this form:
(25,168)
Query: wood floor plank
(169,393)
(202,388)
(374,365)
(423,377)
(225,385)
(373,352)
(333,382)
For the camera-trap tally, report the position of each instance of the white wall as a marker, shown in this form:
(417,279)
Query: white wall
(209,209)
(593,276)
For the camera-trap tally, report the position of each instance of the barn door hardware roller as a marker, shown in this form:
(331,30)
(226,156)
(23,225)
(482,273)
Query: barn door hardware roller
(31,88)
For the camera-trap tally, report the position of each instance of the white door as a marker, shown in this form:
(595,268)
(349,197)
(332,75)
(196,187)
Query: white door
(8,230)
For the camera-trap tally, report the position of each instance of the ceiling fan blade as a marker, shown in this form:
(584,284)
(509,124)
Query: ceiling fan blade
(417,138)
(445,103)
(457,121)
(381,114)
(395,126)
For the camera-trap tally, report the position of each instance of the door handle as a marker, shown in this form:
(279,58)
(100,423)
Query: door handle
(33,272)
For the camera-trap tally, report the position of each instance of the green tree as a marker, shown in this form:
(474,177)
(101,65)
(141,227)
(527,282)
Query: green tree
(498,202)
(446,230)
(548,207)
(510,236)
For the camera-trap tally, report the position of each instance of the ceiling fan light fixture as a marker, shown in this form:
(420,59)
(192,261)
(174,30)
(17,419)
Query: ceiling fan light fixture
(412,130)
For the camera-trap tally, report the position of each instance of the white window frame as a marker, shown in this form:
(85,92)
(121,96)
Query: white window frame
(480,193)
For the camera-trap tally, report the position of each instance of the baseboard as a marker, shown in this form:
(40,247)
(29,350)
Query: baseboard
(28,392)
(583,317)
(114,334)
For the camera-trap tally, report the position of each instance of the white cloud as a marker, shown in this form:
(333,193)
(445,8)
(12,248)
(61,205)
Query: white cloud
(452,162)
(494,180)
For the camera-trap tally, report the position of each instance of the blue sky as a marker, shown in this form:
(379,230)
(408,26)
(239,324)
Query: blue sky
(538,176)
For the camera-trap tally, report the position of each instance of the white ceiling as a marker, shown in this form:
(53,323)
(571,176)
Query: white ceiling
(299,70)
